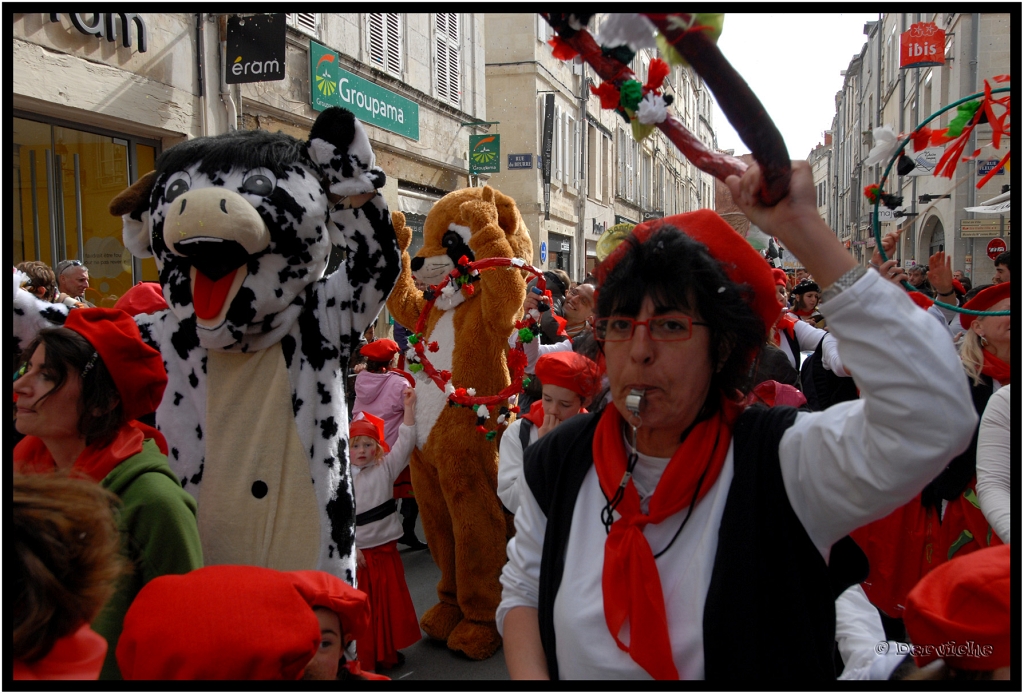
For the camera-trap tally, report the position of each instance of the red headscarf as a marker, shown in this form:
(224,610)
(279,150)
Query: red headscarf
(569,370)
(366,424)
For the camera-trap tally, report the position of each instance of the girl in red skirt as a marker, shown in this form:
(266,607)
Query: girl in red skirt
(375,466)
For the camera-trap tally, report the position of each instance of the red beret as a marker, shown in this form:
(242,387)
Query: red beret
(920,299)
(780,276)
(962,609)
(742,264)
(144,297)
(569,370)
(137,369)
(232,622)
(958,286)
(380,350)
(366,424)
(983,301)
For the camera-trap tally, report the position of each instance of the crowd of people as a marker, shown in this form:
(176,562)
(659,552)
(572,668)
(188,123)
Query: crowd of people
(714,460)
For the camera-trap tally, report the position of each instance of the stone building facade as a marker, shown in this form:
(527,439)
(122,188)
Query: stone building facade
(877,92)
(97,97)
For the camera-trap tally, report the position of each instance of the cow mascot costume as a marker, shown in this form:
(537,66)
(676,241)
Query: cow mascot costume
(455,467)
(257,338)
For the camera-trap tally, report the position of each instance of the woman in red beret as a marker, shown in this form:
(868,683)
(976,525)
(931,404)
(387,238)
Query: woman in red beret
(568,382)
(79,394)
(673,534)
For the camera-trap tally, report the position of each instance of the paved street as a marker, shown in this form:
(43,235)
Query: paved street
(428,659)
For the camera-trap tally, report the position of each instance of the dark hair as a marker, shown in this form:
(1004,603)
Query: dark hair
(66,558)
(965,281)
(974,291)
(678,272)
(1003,259)
(66,349)
(377,367)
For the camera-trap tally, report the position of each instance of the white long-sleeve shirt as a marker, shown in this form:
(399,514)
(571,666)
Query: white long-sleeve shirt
(994,463)
(808,337)
(374,484)
(510,464)
(861,639)
(846,466)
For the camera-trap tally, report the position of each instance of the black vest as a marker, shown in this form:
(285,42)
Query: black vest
(770,609)
(821,387)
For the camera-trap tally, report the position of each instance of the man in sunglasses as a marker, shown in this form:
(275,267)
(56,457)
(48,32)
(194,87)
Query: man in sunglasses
(73,280)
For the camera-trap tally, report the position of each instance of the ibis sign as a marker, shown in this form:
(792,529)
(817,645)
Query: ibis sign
(923,45)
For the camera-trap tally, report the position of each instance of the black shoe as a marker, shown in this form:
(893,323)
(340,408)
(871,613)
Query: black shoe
(412,542)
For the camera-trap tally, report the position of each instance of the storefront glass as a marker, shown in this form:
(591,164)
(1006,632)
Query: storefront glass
(64,181)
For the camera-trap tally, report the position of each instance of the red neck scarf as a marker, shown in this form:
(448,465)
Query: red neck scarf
(804,313)
(785,323)
(996,368)
(630,581)
(536,414)
(32,457)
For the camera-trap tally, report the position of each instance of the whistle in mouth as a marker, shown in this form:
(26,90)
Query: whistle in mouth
(633,401)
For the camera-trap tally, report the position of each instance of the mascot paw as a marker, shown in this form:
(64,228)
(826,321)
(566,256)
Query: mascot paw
(478,640)
(402,232)
(440,620)
(478,214)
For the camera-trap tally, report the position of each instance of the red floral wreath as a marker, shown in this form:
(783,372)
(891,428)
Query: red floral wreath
(464,275)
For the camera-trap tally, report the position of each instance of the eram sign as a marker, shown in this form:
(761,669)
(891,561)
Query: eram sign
(923,45)
(255,48)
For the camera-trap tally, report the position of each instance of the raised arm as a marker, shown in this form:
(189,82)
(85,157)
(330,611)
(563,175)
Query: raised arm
(406,301)
(503,289)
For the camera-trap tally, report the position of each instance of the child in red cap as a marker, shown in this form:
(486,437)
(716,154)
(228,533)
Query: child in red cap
(242,623)
(568,381)
(375,466)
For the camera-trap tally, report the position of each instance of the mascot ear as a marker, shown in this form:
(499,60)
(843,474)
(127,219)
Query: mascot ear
(339,146)
(511,222)
(132,206)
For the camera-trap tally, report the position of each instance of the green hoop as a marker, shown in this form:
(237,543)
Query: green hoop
(877,228)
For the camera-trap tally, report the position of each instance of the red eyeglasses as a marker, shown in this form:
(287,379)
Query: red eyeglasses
(673,328)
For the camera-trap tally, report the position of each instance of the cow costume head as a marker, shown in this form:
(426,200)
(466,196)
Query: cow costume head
(238,224)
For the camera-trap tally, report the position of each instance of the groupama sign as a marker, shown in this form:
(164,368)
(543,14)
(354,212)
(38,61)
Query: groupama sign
(331,85)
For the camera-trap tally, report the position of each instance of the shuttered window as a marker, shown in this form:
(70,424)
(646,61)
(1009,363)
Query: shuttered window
(306,22)
(448,58)
(384,40)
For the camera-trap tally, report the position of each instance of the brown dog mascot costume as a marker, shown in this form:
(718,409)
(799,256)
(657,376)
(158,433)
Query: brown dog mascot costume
(454,467)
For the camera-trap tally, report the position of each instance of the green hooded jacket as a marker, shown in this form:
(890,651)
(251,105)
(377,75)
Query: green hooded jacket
(158,529)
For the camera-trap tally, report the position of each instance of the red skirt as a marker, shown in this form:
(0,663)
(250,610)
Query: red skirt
(393,623)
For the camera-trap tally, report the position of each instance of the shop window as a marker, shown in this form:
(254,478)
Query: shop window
(384,39)
(64,179)
(448,58)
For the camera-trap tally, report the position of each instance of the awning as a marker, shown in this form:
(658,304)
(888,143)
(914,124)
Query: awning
(998,208)
(411,202)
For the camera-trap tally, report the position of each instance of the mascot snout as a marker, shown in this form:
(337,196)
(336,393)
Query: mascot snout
(217,230)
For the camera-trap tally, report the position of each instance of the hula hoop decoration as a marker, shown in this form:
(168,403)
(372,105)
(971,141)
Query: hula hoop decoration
(462,278)
(972,110)
(682,38)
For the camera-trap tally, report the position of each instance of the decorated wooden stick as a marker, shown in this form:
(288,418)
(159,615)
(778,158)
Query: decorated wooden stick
(743,109)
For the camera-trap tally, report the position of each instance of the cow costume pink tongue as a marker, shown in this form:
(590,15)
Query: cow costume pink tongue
(208,296)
